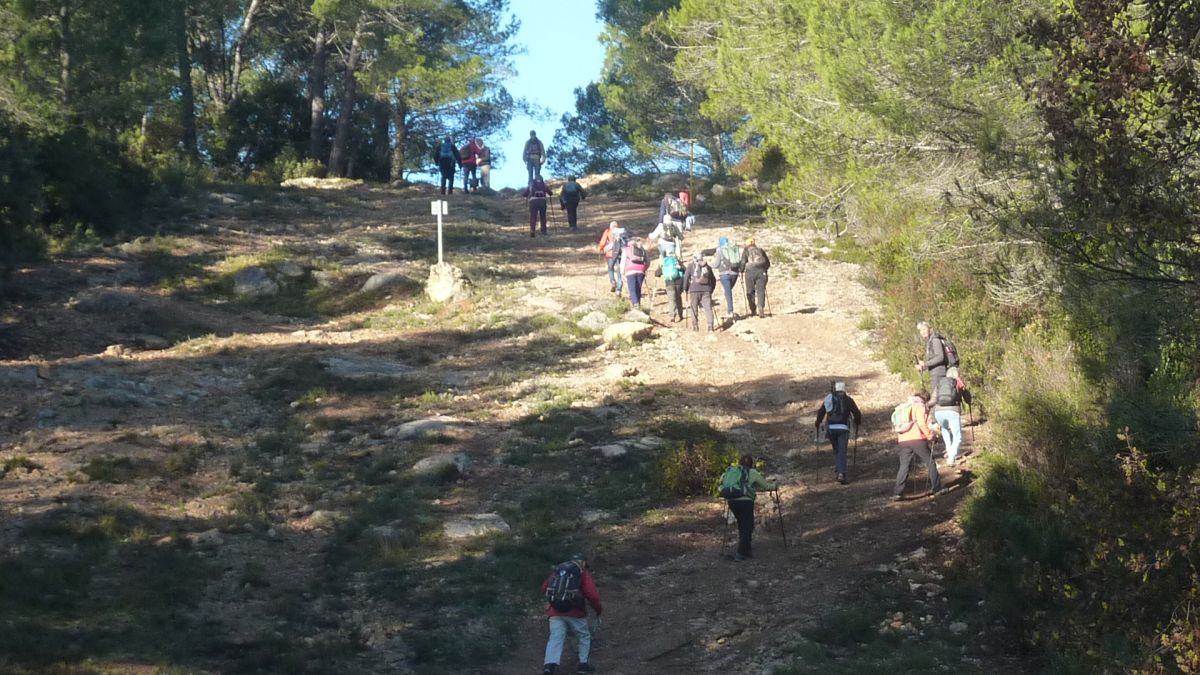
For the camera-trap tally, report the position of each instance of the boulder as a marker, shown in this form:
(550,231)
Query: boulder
(105,302)
(594,320)
(418,428)
(325,279)
(594,516)
(311,183)
(450,465)
(447,283)
(636,315)
(362,368)
(207,539)
(475,526)
(612,450)
(384,280)
(289,270)
(254,282)
(626,331)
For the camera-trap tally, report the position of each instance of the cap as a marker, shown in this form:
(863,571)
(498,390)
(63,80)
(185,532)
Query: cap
(723,241)
(697,256)
(613,225)
(839,386)
(578,556)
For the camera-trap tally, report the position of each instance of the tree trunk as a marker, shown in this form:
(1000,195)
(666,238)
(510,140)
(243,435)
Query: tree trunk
(381,146)
(341,136)
(239,47)
(64,53)
(400,124)
(316,94)
(187,97)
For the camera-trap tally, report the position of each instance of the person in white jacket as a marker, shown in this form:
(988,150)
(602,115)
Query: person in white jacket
(669,230)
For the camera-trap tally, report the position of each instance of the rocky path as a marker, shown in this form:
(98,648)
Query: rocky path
(279,444)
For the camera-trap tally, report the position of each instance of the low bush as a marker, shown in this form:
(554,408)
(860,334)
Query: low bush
(695,469)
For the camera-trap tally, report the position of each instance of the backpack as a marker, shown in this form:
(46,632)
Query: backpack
(839,412)
(564,588)
(950,350)
(947,392)
(902,419)
(670,269)
(637,254)
(701,273)
(675,207)
(670,231)
(735,483)
(446,151)
(755,256)
(538,191)
(571,188)
(731,256)
(617,244)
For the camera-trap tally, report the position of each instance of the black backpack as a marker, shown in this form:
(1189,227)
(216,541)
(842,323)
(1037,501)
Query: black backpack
(701,273)
(564,588)
(839,410)
(947,392)
(637,254)
(755,256)
(446,151)
(950,351)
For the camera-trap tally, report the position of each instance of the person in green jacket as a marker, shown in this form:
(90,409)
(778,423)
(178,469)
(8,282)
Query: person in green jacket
(738,486)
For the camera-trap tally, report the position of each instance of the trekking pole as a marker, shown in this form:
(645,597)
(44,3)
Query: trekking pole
(779,515)
(971,419)
(854,455)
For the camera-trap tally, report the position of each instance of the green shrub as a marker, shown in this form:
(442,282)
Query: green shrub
(694,469)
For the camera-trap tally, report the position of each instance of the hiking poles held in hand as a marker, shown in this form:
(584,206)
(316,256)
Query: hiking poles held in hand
(779,515)
(854,456)
(971,419)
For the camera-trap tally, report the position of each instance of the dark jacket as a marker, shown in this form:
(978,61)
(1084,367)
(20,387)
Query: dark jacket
(572,196)
(437,155)
(537,193)
(704,285)
(534,151)
(764,264)
(587,586)
(960,395)
(935,355)
(851,407)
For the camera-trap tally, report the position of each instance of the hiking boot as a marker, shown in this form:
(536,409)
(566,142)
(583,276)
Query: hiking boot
(738,557)
(585,668)
(532,235)
(550,669)
(841,478)
(897,498)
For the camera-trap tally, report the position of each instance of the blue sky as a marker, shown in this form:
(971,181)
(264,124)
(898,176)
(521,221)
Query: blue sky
(561,41)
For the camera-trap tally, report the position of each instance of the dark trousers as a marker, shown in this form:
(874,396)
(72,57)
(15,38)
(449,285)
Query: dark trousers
(840,440)
(743,510)
(921,450)
(537,210)
(572,212)
(696,299)
(468,174)
(447,169)
(756,289)
(675,298)
(935,376)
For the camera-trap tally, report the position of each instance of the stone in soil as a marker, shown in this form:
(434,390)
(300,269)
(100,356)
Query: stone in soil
(382,280)
(105,302)
(452,464)
(475,525)
(447,283)
(254,282)
(613,450)
(626,332)
(364,368)
(594,321)
(418,428)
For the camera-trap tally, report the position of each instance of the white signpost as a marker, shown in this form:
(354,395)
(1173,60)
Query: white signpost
(439,208)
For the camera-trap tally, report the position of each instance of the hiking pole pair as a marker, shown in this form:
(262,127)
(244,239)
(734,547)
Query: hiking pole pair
(779,515)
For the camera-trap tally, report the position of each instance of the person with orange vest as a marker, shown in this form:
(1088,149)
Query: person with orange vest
(913,435)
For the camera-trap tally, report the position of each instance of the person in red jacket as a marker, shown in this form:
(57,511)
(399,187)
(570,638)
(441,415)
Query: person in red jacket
(569,590)
(470,157)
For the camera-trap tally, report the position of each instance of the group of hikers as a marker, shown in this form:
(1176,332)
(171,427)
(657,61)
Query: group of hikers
(627,261)
(475,159)
(570,589)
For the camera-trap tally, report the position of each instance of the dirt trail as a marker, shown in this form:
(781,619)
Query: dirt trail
(177,436)
(675,602)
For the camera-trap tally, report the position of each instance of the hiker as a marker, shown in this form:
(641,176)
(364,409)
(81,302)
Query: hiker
(483,160)
(728,264)
(634,262)
(948,398)
(671,271)
(836,411)
(737,487)
(755,264)
(612,244)
(572,193)
(909,421)
(668,231)
(537,193)
(569,590)
(470,158)
(698,283)
(447,158)
(534,156)
(940,354)
(674,206)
